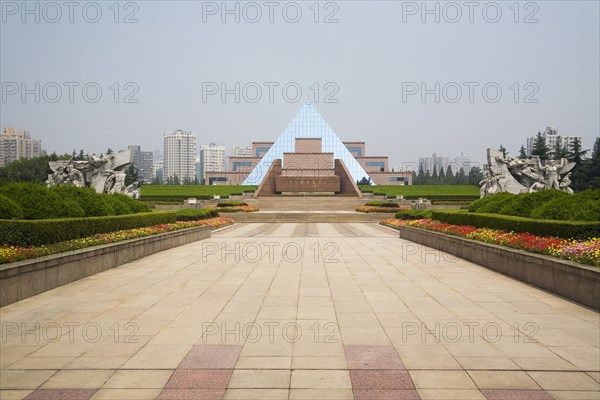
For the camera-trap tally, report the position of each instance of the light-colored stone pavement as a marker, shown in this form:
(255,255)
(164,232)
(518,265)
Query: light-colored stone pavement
(302,311)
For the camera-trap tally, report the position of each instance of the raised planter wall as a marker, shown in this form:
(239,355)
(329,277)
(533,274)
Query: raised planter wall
(562,277)
(23,279)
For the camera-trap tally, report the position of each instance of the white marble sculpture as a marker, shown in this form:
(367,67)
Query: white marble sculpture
(105,174)
(514,175)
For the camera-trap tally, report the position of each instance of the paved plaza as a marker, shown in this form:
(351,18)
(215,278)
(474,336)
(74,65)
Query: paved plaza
(299,311)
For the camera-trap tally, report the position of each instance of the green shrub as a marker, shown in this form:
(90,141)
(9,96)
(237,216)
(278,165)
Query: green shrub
(35,200)
(524,204)
(67,208)
(379,203)
(231,204)
(191,214)
(119,206)
(582,206)
(94,204)
(565,229)
(9,209)
(36,233)
(491,203)
(414,214)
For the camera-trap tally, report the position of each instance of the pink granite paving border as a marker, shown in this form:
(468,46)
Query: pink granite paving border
(377,373)
(61,394)
(204,373)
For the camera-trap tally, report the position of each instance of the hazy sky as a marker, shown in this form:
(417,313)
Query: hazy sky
(370,61)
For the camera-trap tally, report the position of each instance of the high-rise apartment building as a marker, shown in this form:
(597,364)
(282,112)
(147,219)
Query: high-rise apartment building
(16,144)
(143,162)
(462,161)
(212,158)
(552,137)
(179,155)
(435,162)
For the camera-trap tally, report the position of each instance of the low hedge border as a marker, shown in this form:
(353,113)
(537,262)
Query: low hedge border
(40,232)
(564,229)
(191,214)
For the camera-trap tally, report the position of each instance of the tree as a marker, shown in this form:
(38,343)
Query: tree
(461,178)
(559,151)
(450,178)
(442,177)
(503,151)
(475,176)
(522,153)
(27,170)
(576,153)
(109,151)
(587,175)
(420,176)
(364,181)
(540,148)
(131,175)
(81,156)
(176,180)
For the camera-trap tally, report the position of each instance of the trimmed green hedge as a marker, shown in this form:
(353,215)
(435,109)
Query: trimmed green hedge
(546,204)
(565,229)
(46,231)
(413,214)
(232,204)
(191,214)
(379,203)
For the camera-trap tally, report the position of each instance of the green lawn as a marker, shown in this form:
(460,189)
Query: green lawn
(428,191)
(192,190)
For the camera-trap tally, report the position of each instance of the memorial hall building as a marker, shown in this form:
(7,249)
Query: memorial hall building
(308,157)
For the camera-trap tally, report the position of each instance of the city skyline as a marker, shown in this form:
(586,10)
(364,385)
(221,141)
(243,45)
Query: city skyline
(378,71)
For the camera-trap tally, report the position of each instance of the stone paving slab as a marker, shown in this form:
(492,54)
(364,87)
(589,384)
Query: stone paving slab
(295,311)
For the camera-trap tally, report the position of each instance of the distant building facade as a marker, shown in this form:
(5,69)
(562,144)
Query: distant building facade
(16,144)
(462,161)
(242,151)
(433,163)
(143,161)
(179,155)
(552,137)
(212,158)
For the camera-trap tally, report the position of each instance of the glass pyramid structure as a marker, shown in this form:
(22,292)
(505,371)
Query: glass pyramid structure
(308,123)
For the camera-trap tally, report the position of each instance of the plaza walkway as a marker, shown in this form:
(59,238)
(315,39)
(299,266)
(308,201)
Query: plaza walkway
(299,311)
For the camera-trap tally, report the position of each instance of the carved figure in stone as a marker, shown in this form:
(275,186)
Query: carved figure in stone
(105,174)
(75,176)
(565,183)
(508,174)
(537,186)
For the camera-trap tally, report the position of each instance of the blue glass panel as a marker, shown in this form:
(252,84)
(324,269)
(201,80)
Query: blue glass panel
(260,150)
(357,150)
(237,164)
(379,164)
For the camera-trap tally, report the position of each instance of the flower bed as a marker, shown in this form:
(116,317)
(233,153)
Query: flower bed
(233,209)
(377,209)
(581,251)
(16,253)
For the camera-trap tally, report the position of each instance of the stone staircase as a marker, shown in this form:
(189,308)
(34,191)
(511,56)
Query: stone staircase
(308,203)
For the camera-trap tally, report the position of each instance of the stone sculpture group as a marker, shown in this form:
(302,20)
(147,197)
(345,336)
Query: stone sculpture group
(104,174)
(516,175)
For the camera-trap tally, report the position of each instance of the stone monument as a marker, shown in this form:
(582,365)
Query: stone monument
(515,175)
(104,174)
